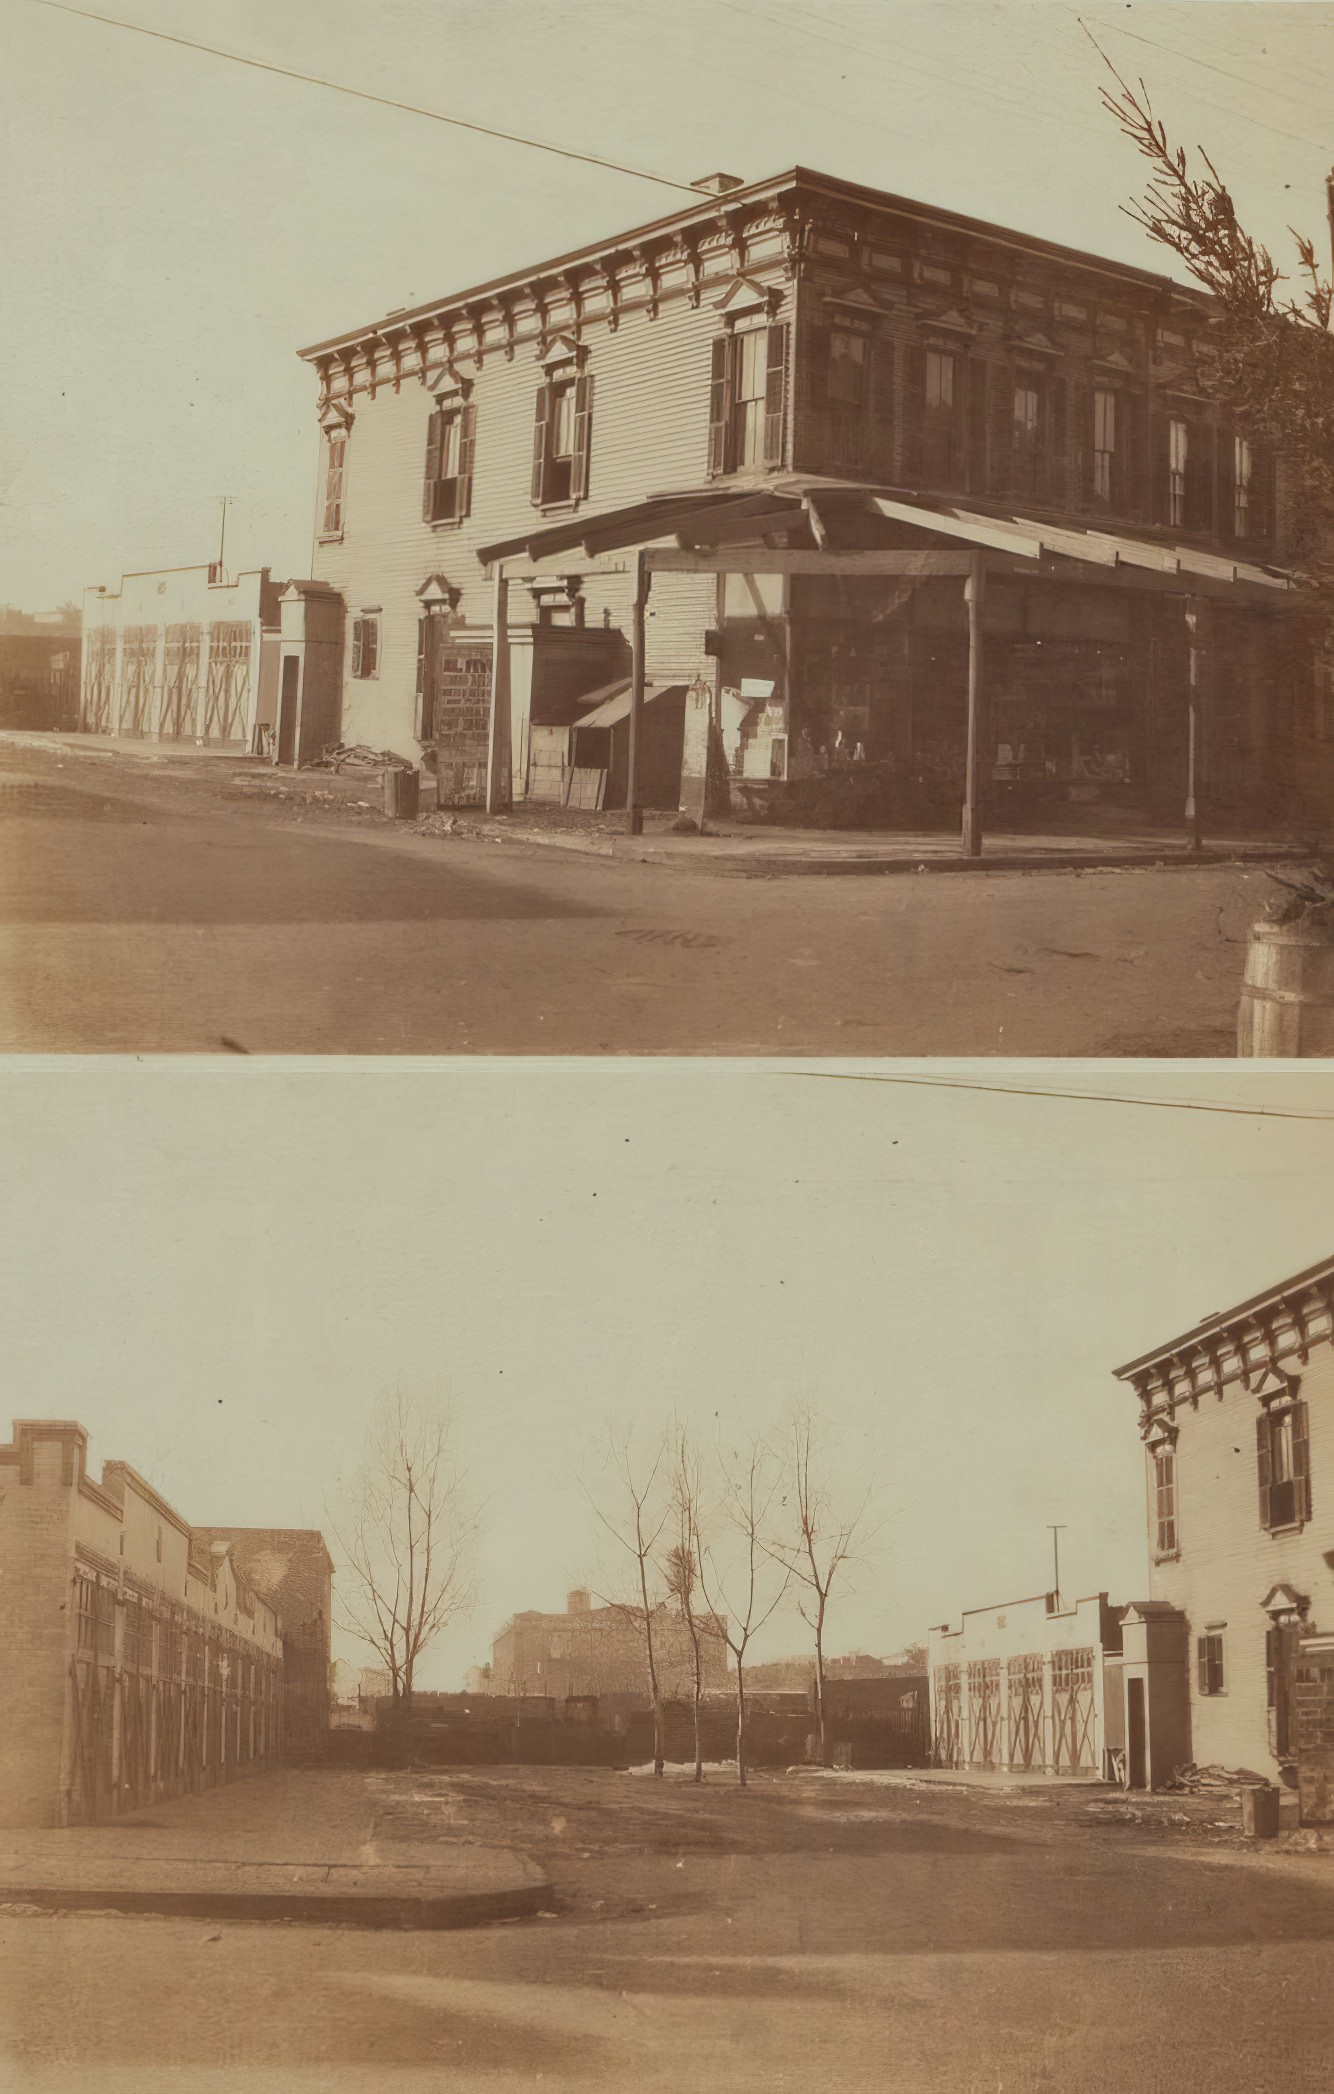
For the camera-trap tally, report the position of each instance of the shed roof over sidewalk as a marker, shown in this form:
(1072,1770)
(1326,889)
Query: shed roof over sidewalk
(799,524)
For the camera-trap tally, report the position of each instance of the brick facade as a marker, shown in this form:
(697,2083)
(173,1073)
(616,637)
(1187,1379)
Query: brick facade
(292,1569)
(138,1662)
(600,1650)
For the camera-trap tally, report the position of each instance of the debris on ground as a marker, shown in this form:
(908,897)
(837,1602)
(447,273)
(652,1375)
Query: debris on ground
(358,756)
(1194,1779)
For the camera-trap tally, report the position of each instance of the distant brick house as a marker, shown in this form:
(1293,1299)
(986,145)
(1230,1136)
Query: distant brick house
(591,1650)
(39,670)
(139,1661)
(1231,1659)
(292,1569)
(827,417)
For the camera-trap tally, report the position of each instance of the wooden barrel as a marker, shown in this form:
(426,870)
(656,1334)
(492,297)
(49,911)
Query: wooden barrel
(1287,995)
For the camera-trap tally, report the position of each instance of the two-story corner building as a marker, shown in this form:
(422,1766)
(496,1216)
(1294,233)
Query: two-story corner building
(919,503)
(1234,1652)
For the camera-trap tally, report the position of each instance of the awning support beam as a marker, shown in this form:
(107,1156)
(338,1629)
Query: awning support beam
(498,730)
(974,592)
(634,813)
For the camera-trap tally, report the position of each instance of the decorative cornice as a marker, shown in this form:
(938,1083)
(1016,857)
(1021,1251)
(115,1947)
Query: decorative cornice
(1247,1347)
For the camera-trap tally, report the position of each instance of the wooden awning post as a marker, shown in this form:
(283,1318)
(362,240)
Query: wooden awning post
(974,590)
(498,729)
(1194,837)
(634,813)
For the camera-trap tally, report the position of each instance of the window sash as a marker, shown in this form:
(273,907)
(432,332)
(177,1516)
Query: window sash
(1165,1505)
(334,463)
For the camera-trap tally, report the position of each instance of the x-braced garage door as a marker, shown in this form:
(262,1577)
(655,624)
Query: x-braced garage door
(227,691)
(984,1702)
(180,682)
(945,1741)
(101,649)
(1072,1712)
(138,662)
(1025,1724)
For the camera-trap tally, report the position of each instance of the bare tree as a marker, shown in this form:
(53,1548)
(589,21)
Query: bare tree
(815,1553)
(738,1601)
(637,1529)
(682,1572)
(1270,355)
(406,1538)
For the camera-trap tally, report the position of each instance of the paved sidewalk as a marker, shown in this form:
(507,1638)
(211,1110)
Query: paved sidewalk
(311,1844)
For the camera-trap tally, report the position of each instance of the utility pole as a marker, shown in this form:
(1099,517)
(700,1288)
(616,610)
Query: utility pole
(1329,211)
(1056,1533)
(226,501)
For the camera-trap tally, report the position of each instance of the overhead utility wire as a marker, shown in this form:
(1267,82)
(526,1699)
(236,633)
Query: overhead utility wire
(1014,1090)
(362,94)
(1189,58)
(1237,115)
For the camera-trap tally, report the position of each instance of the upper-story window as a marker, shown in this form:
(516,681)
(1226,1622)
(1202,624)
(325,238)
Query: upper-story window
(563,439)
(1104,445)
(1178,454)
(1241,487)
(335,466)
(1282,1448)
(748,399)
(939,415)
(1029,448)
(1165,1501)
(847,387)
(450,442)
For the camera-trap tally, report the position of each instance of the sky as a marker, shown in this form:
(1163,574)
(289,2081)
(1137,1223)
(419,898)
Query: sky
(220,1268)
(176,226)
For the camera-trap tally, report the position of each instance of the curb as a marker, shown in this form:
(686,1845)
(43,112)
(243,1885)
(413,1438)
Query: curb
(417,1909)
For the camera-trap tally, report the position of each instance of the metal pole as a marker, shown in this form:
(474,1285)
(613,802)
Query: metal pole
(498,730)
(1056,1533)
(225,500)
(1193,836)
(634,813)
(973,591)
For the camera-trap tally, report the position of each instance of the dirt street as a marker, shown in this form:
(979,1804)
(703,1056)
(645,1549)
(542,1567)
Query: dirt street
(143,911)
(802,1934)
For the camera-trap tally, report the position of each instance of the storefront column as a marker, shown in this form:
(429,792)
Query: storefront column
(1194,740)
(974,787)
(634,813)
(498,739)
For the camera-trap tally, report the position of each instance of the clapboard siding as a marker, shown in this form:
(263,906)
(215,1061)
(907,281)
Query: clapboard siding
(650,432)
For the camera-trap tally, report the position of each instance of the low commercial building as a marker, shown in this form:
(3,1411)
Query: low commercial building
(183,654)
(1231,1659)
(1032,1686)
(139,1661)
(292,1569)
(39,669)
(601,1650)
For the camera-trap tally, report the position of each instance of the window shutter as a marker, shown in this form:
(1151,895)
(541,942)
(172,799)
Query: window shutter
(1061,469)
(1199,476)
(914,411)
(720,404)
(883,408)
(333,485)
(583,435)
(540,416)
(1127,458)
(1202,1663)
(467,445)
(975,380)
(775,395)
(1263,1465)
(1001,419)
(435,436)
(1227,482)
(1160,462)
(358,628)
(1301,1461)
(370,647)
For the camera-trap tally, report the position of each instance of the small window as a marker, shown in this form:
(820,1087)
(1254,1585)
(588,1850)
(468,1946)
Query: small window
(335,462)
(1165,1501)
(365,647)
(1209,1660)
(748,399)
(939,422)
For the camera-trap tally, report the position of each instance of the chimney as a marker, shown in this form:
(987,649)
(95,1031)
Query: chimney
(577,1602)
(719,184)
